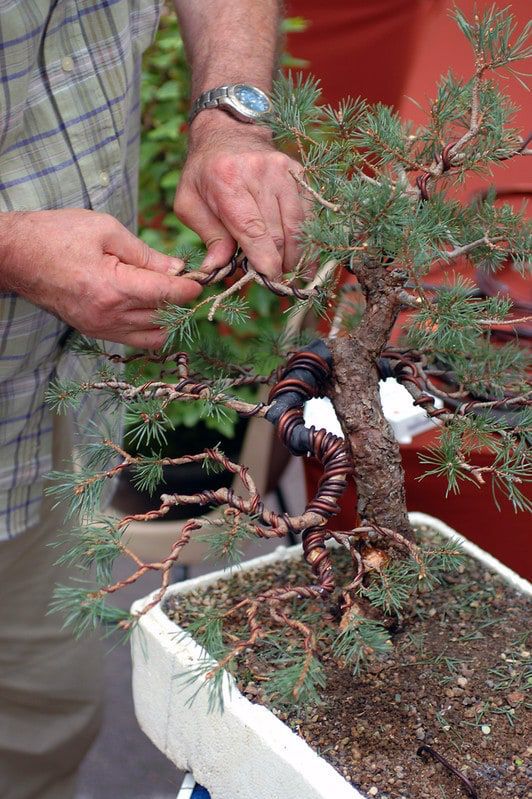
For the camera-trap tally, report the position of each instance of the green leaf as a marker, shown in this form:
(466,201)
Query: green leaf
(170,90)
(170,180)
(168,130)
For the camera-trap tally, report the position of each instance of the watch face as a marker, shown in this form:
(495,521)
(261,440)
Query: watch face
(252,99)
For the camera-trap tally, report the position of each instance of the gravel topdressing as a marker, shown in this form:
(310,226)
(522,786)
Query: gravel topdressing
(457,680)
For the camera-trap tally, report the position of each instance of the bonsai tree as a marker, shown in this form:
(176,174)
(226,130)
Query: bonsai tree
(384,215)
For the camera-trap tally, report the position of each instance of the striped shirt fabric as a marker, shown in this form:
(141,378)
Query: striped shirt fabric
(69,136)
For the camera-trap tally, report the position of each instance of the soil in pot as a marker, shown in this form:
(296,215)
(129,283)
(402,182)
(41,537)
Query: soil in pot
(185,479)
(456,680)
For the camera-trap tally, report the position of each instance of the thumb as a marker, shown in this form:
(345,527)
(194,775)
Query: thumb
(219,242)
(135,252)
(219,252)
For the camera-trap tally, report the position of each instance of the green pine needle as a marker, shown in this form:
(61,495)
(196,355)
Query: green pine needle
(147,422)
(225,545)
(83,611)
(147,474)
(82,491)
(96,545)
(63,395)
(361,640)
(297,683)
(295,101)
(234,310)
(83,345)
(181,325)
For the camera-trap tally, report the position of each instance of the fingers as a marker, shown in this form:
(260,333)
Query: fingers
(145,339)
(142,319)
(132,250)
(245,195)
(145,289)
(292,211)
(246,224)
(270,210)
(126,300)
(220,244)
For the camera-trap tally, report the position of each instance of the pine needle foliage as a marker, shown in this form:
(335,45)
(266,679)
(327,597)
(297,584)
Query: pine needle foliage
(63,396)
(81,491)
(454,322)
(83,345)
(84,610)
(97,452)
(211,465)
(295,100)
(361,640)
(147,474)
(96,545)
(214,406)
(207,678)
(147,422)
(494,35)
(393,588)
(234,311)
(181,325)
(204,675)
(207,631)
(299,683)
(216,356)
(225,543)
(510,448)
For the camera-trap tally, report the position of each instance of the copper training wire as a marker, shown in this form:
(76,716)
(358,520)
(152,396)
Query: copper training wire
(304,377)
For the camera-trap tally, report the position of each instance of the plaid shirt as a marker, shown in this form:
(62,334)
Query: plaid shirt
(69,135)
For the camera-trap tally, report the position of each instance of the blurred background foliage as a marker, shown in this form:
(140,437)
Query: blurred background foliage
(165,103)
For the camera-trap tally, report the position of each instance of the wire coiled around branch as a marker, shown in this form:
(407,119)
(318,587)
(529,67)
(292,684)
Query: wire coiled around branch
(304,377)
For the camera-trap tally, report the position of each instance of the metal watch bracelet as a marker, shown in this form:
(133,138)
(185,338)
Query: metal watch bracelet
(208,99)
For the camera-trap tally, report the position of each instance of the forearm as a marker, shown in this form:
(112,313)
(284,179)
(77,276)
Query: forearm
(230,41)
(10,229)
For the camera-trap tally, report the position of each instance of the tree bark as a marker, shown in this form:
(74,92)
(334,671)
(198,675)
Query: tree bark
(378,471)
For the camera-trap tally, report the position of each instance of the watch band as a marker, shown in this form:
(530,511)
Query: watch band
(208,99)
(243,101)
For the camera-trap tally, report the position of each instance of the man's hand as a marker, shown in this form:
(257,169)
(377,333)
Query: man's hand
(89,270)
(236,188)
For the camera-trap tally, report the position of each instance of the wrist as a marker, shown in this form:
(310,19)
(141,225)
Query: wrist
(244,102)
(11,223)
(213,124)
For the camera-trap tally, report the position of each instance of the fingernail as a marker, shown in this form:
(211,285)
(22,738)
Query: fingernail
(176,267)
(208,263)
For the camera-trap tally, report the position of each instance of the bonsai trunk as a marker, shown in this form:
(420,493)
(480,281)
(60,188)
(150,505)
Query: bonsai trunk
(378,471)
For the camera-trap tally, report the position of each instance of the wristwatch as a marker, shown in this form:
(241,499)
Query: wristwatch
(243,101)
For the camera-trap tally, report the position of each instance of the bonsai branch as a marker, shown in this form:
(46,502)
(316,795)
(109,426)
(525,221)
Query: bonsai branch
(317,196)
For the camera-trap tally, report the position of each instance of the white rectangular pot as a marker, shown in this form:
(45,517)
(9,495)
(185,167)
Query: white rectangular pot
(244,752)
